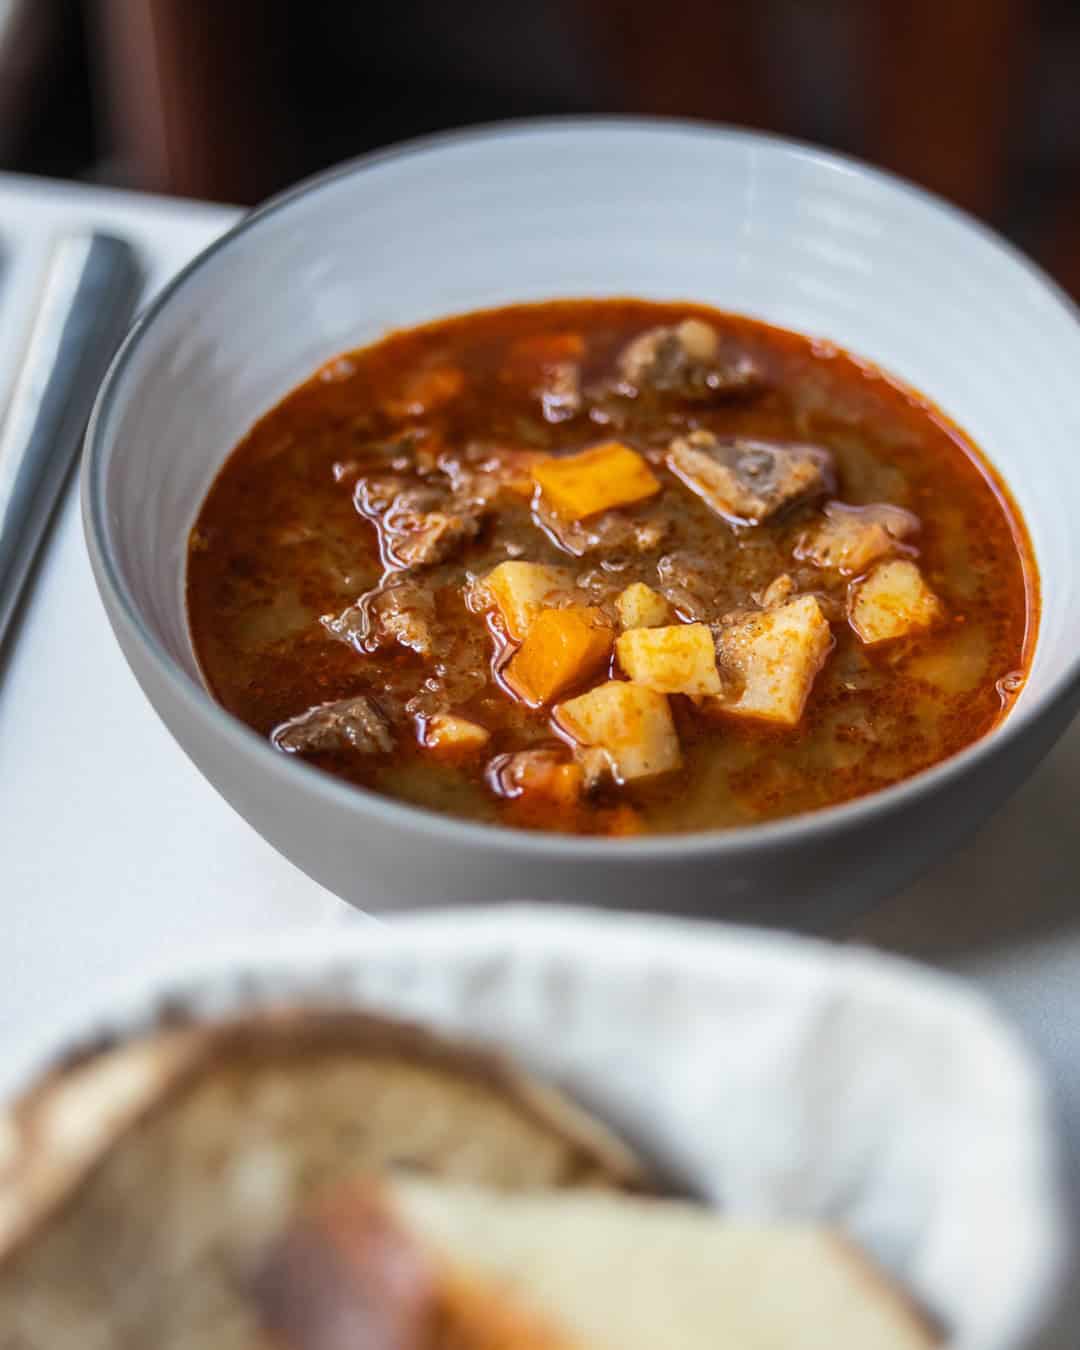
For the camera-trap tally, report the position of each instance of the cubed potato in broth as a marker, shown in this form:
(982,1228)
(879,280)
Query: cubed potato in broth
(639,606)
(775,656)
(454,737)
(631,723)
(892,602)
(520,590)
(680,659)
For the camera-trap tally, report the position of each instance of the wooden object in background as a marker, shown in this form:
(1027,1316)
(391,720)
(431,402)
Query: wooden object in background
(696,58)
(28,32)
(945,86)
(190,95)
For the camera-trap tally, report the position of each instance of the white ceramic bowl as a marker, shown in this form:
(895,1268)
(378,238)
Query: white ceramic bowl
(588,208)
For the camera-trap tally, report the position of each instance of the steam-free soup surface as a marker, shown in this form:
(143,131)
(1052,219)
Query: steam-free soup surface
(610,567)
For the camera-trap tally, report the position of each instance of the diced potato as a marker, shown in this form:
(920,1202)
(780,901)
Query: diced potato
(892,602)
(776,655)
(562,648)
(639,606)
(595,480)
(520,590)
(850,538)
(453,736)
(698,339)
(680,659)
(632,723)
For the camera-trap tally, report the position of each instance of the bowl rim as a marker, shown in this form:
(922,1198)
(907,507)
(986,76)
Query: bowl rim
(786,833)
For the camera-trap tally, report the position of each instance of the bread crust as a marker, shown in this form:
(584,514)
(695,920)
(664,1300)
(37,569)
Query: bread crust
(113,1087)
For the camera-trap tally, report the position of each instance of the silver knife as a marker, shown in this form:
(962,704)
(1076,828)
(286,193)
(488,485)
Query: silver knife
(91,288)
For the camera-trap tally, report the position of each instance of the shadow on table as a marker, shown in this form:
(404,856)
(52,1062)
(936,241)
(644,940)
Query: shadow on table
(1018,880)
(1005,911)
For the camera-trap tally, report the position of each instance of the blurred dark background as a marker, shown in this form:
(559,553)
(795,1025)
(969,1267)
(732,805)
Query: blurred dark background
(231,99)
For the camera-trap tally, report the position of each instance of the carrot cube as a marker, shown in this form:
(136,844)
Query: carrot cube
(561,648)
(595,480)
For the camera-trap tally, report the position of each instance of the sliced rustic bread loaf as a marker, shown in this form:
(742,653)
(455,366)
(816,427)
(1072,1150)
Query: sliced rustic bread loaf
(441,1266)
(137,1185)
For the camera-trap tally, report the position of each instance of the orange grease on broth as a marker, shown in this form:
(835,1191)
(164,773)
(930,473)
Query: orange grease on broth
(279,542)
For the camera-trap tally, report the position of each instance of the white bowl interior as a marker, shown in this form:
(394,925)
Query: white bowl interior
(743,222)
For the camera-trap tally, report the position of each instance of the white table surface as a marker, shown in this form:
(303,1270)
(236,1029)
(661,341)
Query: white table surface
(115,851)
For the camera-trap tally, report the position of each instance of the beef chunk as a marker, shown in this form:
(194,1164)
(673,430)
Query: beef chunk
(560,392)
(685,361)
(419,525)
(849,538)
(351,723)
(424,527)
(481,472)
(747,481)
(401,610)
(405,613)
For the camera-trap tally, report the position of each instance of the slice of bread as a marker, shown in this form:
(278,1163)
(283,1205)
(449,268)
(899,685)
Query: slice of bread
(568,1271)
(137,1182)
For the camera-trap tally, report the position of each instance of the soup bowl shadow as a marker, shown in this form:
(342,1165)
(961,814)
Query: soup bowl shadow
(585,207)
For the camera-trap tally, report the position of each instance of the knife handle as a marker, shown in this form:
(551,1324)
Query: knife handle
(91,288)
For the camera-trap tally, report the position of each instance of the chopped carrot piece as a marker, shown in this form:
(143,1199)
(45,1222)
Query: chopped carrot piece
(561,648)
(595,480)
